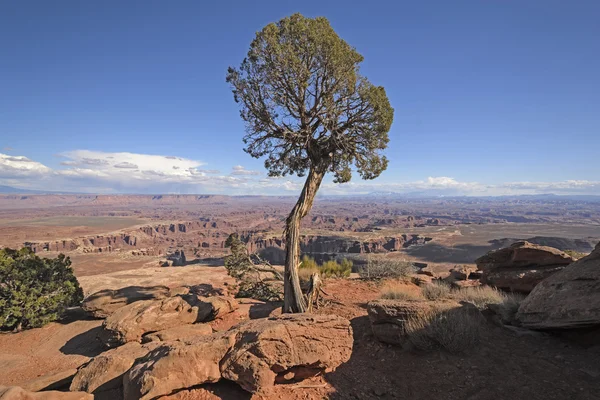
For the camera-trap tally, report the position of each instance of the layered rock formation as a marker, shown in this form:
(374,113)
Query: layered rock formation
(521,266)
(569,299)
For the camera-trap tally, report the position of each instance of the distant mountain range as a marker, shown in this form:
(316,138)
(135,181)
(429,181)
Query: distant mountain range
(429,194)
(14,190)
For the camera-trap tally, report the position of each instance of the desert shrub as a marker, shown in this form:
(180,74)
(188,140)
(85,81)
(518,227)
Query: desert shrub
(308,263)
(437,290)
(480,296)
(504,304)
(455,330)
(399,291)
(329,269)
(35,290)
(255,277)
(576,254)
(337,270)
(382,268)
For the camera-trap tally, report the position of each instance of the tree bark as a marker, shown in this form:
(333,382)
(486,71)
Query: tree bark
(293,299)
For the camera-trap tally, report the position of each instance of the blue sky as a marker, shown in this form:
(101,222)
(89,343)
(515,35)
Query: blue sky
(491,97)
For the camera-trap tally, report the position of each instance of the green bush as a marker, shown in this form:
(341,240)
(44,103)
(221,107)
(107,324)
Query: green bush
(34,290)
(336,270)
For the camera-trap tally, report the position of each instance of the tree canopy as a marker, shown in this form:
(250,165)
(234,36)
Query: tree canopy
(305,104)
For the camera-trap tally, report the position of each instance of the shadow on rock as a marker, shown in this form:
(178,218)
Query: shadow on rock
(84,344)
(205,289)
(263,310)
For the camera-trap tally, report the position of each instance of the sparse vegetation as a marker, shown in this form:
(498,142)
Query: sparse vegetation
(329,269)
(576,254)
(395,290)
(383,268)
(437,290)
(454,330)
(255,277)
(34,290)
(479,296)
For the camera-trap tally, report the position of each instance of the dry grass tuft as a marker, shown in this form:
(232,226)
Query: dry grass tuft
(400,291)
(455,330)
(480,296)
(437,290)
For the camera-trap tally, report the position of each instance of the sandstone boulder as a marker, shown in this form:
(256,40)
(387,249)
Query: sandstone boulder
(220,306)
(566,300)
(104,373)
(290,347)
(131,322)
(389,317)
(183,332)
(177,365)
(461,272)
(521,266)
(105,302)
(256,354)
(18,393)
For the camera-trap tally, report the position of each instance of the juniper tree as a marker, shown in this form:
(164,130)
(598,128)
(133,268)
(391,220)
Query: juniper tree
(308,111)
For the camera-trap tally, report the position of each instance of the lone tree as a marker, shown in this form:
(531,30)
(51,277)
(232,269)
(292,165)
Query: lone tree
(308,111)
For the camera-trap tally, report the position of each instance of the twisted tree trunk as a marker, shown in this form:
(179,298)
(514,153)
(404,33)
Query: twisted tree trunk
(293,298)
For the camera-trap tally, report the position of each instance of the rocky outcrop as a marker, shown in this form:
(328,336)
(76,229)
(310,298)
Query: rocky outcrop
(177,365)
(131,322)
(333,244)
(104,303)
(177,258)
(521,266)
(461,272)
(255,354)
(389,317)
(18,393)
(103,375)
(290,347)
(569,299)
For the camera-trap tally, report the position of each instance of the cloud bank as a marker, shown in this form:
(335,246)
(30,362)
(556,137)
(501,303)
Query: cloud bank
(103,172)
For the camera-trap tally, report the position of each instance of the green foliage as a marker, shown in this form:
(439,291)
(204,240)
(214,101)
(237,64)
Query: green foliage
(238,263)
(250,278)
(308,263)
(34,290)
(305,104)
(576,254)
(329,269)
(335,269)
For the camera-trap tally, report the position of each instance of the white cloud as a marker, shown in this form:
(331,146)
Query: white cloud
(102,172)
(239,170)
(20,167)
